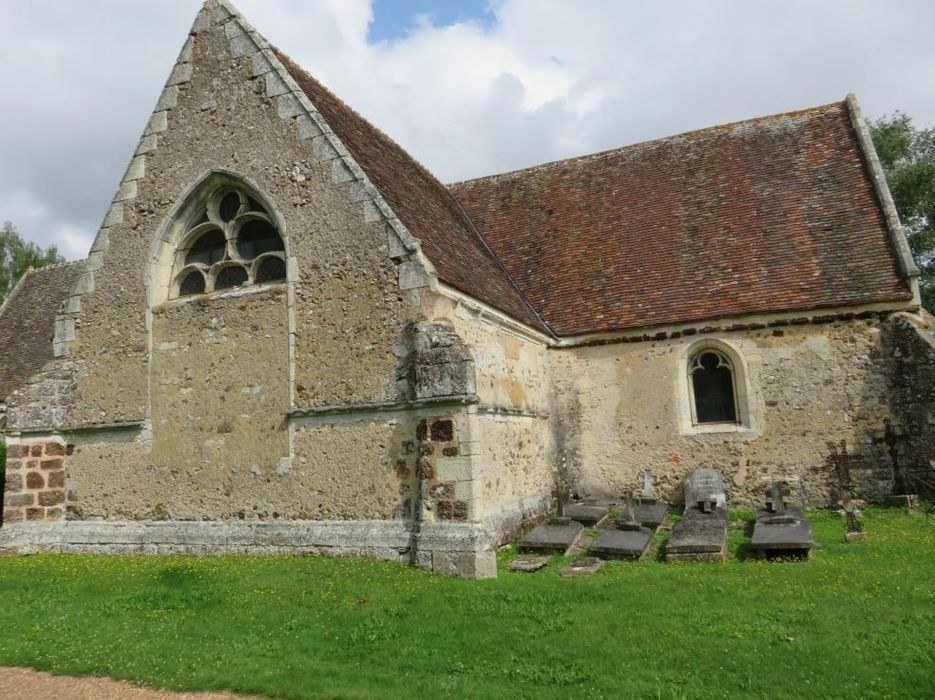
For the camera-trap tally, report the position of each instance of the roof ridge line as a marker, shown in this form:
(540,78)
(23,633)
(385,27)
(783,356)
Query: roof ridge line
(647,142)
(64,263)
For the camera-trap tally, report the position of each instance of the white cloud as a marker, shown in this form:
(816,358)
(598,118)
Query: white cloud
(547,79)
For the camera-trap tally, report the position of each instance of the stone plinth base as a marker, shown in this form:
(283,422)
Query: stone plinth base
(463,548)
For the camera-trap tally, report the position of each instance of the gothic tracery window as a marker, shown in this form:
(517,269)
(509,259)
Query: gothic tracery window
(233,243)
(712,387)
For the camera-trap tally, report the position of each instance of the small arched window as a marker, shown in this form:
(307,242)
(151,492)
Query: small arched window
(712,387)
(232,242)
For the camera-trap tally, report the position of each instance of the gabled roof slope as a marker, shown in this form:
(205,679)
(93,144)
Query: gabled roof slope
(767,215)
(27,322)
(424,205)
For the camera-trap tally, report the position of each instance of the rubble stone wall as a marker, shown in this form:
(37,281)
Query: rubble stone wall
(910,343)
(511,445)
(622,412)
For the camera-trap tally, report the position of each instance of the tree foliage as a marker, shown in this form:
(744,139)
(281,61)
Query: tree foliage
(17,256)
(908,158)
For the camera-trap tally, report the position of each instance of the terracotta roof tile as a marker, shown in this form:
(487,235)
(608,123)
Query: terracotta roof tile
(772,214)
(27,322)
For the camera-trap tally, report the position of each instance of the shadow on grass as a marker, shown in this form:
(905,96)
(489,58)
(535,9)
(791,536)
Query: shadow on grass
(740,534)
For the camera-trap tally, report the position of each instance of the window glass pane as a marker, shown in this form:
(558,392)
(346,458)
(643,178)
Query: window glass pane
(229,277)
(271,269)
(257,237)
(229,206)
(208,249)
(194,283)
(713,387)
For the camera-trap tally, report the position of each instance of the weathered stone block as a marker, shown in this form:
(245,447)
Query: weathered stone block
(18,500)
(52,464)
(444,380)
(412,275)
(35,480)
(182,73)
(54,449)
(16,451)
(51,498)
(56,480)
(13,482)
(35,514)
(443,430)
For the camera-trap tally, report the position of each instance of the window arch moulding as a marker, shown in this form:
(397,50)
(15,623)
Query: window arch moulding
(223,236)
(713,389)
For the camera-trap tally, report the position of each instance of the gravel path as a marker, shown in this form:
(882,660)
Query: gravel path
(27,684)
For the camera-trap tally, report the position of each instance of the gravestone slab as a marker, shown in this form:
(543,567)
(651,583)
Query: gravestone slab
(785,534)
(555,536)
(699,536)
(586,566)
(650,512)
(529,563)
(618,543)
(589,515)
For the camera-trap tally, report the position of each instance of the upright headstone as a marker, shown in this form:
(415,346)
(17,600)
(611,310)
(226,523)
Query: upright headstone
(560,494)
(854,529)
(704,489)
(649,487)
(776,502)
(649,511)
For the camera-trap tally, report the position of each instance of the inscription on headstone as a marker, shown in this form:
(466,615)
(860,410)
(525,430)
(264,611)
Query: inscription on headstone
(704,490)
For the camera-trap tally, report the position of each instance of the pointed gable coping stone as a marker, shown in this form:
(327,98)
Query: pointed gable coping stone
(128,189)
(294,104)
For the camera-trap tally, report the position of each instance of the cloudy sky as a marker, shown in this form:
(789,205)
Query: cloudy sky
(470,87)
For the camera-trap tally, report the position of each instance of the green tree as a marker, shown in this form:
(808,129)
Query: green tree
(17,256)
(908,158)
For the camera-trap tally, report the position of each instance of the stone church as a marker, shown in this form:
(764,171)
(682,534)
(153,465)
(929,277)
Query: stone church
(289,336)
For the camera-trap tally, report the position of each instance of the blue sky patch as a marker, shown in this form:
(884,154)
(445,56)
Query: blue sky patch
(393,19)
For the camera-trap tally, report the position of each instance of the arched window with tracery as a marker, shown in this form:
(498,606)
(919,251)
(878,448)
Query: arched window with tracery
(712,385)
(232,242)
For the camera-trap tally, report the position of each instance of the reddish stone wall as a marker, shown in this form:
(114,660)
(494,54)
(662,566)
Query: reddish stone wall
(446,488)
(35,482)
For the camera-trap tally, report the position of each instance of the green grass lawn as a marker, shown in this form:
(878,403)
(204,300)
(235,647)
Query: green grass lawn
(856,621)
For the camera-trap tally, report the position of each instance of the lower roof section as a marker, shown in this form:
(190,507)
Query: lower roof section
(769,215)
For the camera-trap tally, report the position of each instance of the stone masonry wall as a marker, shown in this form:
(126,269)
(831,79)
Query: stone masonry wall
(35,487)
(511,445)
(808,385)
(910,344)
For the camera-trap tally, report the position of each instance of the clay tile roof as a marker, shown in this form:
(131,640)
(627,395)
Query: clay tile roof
(424,205)
(27,322)
(767,215)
